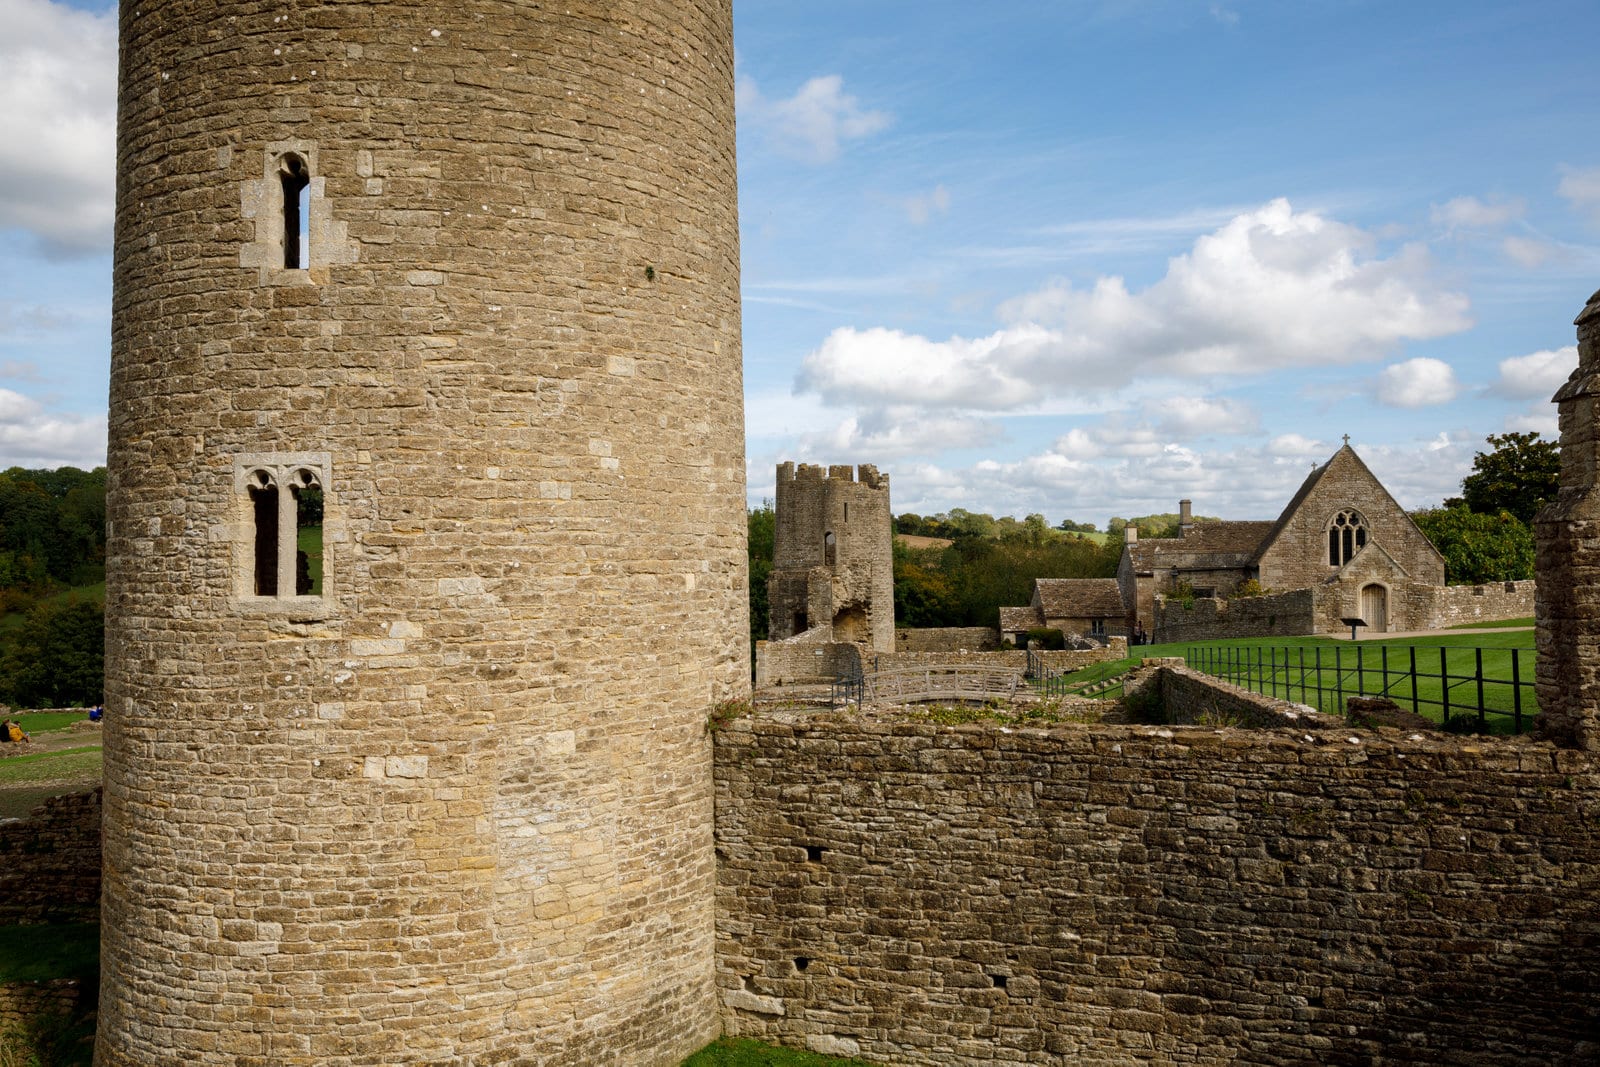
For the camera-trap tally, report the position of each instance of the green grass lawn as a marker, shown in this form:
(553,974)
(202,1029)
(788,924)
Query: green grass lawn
(1298,666)
(38,953)
(742,1052)
(1492,623)
(43,722)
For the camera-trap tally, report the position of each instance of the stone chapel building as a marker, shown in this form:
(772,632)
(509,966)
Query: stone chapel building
(1342,534)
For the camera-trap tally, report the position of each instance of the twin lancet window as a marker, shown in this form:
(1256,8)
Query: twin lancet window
(1347,535)
(283,513)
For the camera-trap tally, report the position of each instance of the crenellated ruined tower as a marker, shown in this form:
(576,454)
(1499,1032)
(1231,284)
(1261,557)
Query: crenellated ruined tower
(1568,530)
(427,531)
(833,555)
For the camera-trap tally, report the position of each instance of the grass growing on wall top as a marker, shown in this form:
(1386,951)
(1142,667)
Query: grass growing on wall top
(742,1052)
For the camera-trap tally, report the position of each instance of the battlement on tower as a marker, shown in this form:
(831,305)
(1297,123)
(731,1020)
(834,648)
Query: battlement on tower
(864,474)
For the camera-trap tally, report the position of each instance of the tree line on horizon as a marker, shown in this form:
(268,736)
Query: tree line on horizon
(1485,535)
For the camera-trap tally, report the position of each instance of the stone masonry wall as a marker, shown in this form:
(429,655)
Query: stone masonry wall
(1208,618)
(921,894)
(793,661)
(1452,604)
(50,862)
(947,639)
(1058,660)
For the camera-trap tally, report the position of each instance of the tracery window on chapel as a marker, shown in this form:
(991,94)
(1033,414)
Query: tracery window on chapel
(1347,535)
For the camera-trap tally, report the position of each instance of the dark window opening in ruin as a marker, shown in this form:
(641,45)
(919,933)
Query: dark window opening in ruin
(296,178)
(999,980)
(814,853)
(800,625)
(830,550)
(1347,535)
(264,514)
(847,511)
(802,962)
(308,539)
(1097,626)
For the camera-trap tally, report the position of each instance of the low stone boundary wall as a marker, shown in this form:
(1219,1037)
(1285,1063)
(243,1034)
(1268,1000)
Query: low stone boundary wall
(1167,691)
(1209,618)
(50,862)
(1454,604)
(948,639)
(23,1002)
(923,894)
(1059,660)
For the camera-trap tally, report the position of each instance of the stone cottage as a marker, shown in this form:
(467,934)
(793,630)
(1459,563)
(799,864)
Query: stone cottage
(1089,606)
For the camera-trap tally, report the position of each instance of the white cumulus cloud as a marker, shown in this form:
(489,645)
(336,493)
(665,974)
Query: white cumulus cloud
(811,124)
(1270,289)
(31,436)
(1417,383)
(58,75)
(1537,375)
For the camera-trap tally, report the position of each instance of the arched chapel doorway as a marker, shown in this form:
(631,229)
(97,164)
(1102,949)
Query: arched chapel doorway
(1375,608)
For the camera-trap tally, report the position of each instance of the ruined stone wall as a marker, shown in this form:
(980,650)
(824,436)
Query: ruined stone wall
(457,807)
(921,894)
(947,639)
(1055,660)
(795,662)
(833,554)
(1207,618)
(50,862)
(1167,691)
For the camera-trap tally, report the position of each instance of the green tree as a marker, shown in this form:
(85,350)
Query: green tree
(762,528)
(1518,476)
(57,658)
(1479,548)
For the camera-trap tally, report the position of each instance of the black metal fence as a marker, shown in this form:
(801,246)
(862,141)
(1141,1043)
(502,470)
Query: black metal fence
(849,687)
(1471,690)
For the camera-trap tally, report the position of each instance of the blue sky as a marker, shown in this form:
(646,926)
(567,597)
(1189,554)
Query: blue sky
(1076,258)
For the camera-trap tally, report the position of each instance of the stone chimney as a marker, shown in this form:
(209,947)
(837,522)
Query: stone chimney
(1185,518)
(1130,534)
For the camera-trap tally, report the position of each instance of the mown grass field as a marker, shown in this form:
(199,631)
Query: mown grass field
(1323,672)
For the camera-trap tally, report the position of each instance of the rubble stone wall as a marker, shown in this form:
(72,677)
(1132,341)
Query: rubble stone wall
(947,639)
(50,862)
(1209,618)
(921,894)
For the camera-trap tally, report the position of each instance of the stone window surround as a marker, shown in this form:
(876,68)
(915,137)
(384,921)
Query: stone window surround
(1357,534)
(282,468)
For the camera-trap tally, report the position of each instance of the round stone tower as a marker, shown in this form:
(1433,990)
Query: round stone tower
(426,552)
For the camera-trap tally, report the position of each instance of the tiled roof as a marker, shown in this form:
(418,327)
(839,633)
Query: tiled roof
(1209,544)
(1079,598)
(1015,620)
